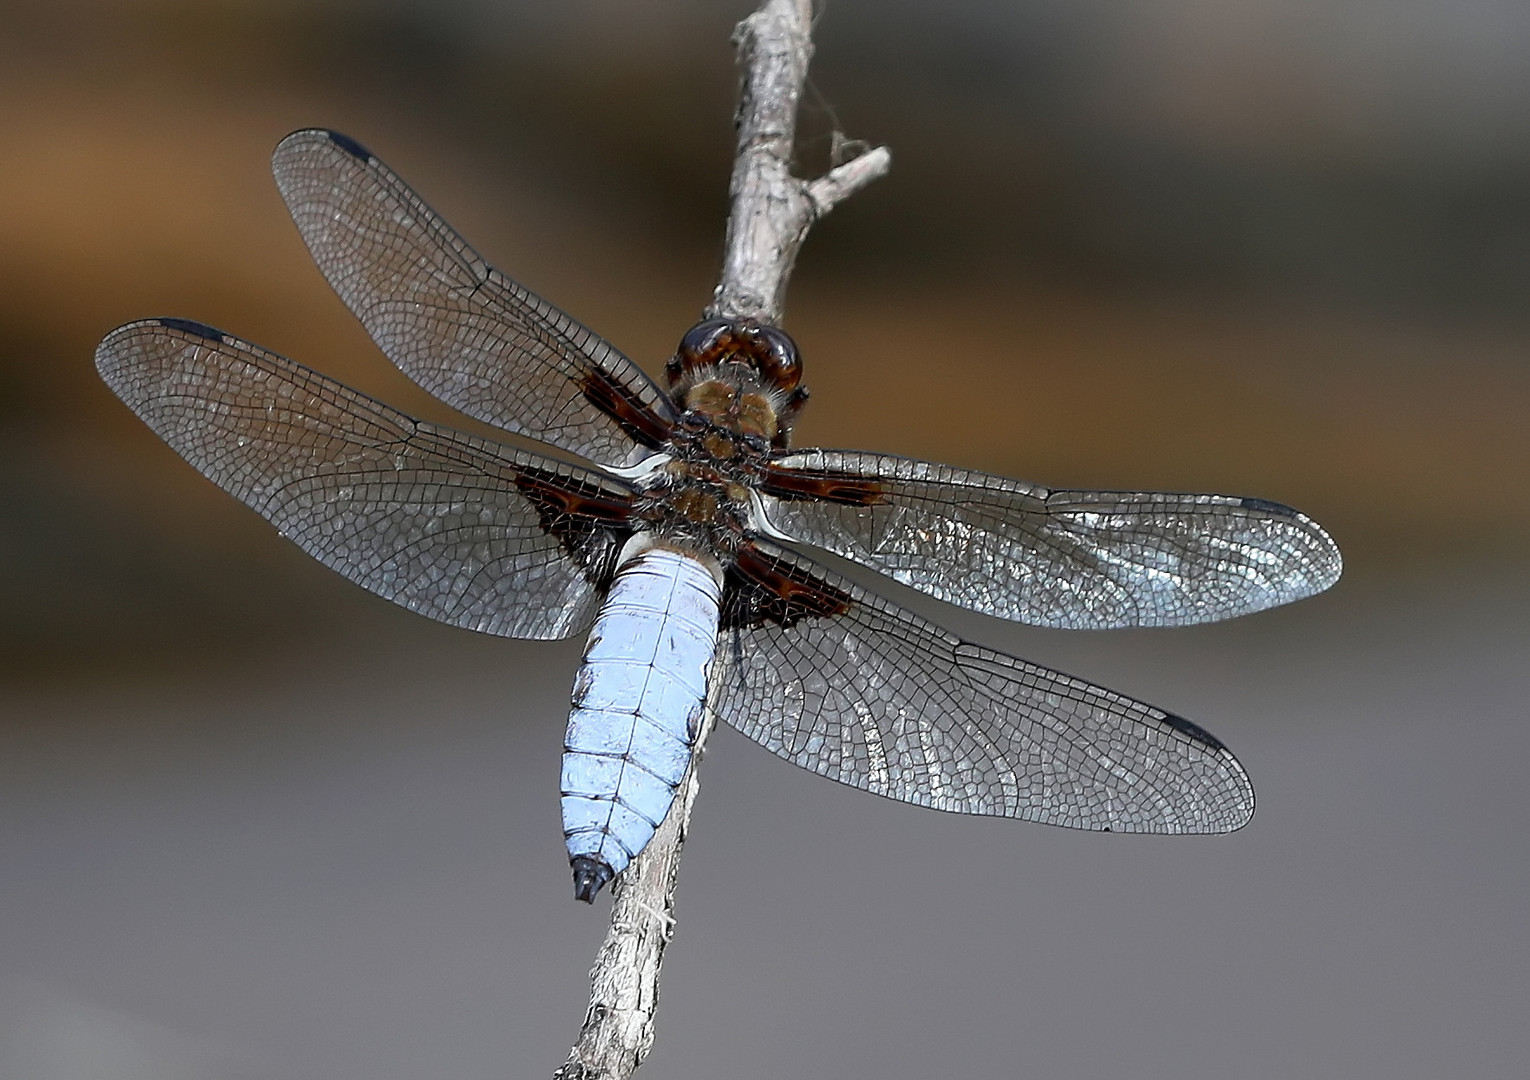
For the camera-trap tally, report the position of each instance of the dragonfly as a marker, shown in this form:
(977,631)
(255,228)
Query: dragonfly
(676,524)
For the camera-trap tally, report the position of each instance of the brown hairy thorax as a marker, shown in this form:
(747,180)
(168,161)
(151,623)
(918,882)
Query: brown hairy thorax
(740,376)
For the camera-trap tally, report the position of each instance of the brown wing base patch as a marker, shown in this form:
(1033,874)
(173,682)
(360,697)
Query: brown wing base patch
(825,485)
(640,423)
(761,588)
(590,525)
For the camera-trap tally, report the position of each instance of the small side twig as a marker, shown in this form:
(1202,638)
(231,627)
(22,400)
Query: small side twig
(772,209)
(771,213)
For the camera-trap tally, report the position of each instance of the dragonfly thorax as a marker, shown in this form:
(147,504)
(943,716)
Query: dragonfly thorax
(740,410)
(697,503)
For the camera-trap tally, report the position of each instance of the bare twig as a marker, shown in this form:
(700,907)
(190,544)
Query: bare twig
(772,209)
(771,214)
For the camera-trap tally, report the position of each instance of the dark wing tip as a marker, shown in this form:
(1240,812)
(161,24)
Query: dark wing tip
(126,356)
(1233,766)
(1325,554)
(589,875)
(310,136)
(114,358)
(192,327)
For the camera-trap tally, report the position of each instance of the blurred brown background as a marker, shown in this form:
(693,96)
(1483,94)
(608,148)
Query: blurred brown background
(255,823)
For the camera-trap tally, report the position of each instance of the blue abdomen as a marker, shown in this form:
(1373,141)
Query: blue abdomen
(637,708)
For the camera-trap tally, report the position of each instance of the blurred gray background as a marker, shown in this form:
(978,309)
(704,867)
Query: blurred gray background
(257,824)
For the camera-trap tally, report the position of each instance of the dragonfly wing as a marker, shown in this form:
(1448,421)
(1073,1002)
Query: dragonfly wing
(461,529)
(461,329)
(844,683)
(1076,559)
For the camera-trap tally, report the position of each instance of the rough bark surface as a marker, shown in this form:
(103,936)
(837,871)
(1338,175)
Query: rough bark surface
(772,209)
(771,213)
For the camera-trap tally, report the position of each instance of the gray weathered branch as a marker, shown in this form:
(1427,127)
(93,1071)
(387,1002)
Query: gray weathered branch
(772,209)
(771,213)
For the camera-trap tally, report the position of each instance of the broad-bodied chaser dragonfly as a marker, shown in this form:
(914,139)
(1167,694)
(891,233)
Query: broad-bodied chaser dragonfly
(677,544)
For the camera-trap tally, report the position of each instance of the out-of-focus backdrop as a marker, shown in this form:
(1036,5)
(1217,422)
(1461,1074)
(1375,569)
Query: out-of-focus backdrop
(255,823)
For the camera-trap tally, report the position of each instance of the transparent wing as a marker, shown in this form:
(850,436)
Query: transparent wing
(460,529)
(1076,559)
(461,329)
(854,688)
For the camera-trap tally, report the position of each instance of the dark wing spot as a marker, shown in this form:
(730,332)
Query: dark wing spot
(1195,731)
(349,145)
(1265,506)
(195,329)
(759,588)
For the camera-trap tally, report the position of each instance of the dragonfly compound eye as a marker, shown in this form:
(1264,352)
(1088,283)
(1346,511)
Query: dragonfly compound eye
(708,342)
(711,342)
(776,358)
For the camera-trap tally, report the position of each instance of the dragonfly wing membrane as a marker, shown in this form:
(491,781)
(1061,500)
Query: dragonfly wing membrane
(462,330)
(1075,559)
(457,528)
(844,683)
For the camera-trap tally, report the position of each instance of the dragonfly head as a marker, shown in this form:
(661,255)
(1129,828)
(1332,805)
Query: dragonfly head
(741,375)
